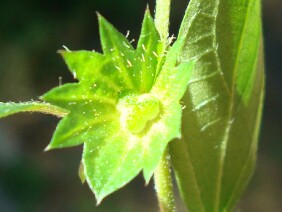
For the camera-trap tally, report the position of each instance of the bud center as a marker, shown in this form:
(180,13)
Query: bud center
(137,111)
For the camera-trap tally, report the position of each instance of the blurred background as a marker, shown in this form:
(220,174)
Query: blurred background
(31,31)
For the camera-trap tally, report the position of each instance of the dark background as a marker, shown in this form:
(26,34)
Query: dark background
(31,31)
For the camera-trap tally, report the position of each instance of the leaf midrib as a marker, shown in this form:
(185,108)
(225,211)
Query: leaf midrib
(81,130)
(230,112)
(124,69)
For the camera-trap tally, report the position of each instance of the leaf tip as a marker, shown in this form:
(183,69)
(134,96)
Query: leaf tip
(147,9)
(42,97)
(147,181)
(99,198)
(147,176)
(81,173)
(47,148)
(100,17)
(98,14)
(98,201)
(179,136)
(103,22)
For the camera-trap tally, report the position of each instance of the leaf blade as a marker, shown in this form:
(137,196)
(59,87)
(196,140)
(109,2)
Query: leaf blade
(215,95)
(83,64)
(116,46)
(149,51)
(108,162)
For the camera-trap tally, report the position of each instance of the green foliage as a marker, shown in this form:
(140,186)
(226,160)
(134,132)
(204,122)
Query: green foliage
(216,156)
(126,108)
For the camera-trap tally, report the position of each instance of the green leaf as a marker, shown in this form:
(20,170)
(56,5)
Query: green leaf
(91,60)
(125,107)
(7,109)
(68,95)
(150,53)
(172,83)
(216,156)
(118,48)
(111,159)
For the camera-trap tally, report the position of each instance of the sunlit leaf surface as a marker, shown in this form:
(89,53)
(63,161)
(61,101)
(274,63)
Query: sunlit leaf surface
(216,156)
(124,109)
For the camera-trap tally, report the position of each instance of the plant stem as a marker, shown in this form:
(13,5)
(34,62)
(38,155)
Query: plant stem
(162,175)
(10,108)
(164,185)
(162,18)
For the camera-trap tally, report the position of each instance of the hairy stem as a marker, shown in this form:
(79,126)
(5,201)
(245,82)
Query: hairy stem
(162,18)
(11,108)
(164,185)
